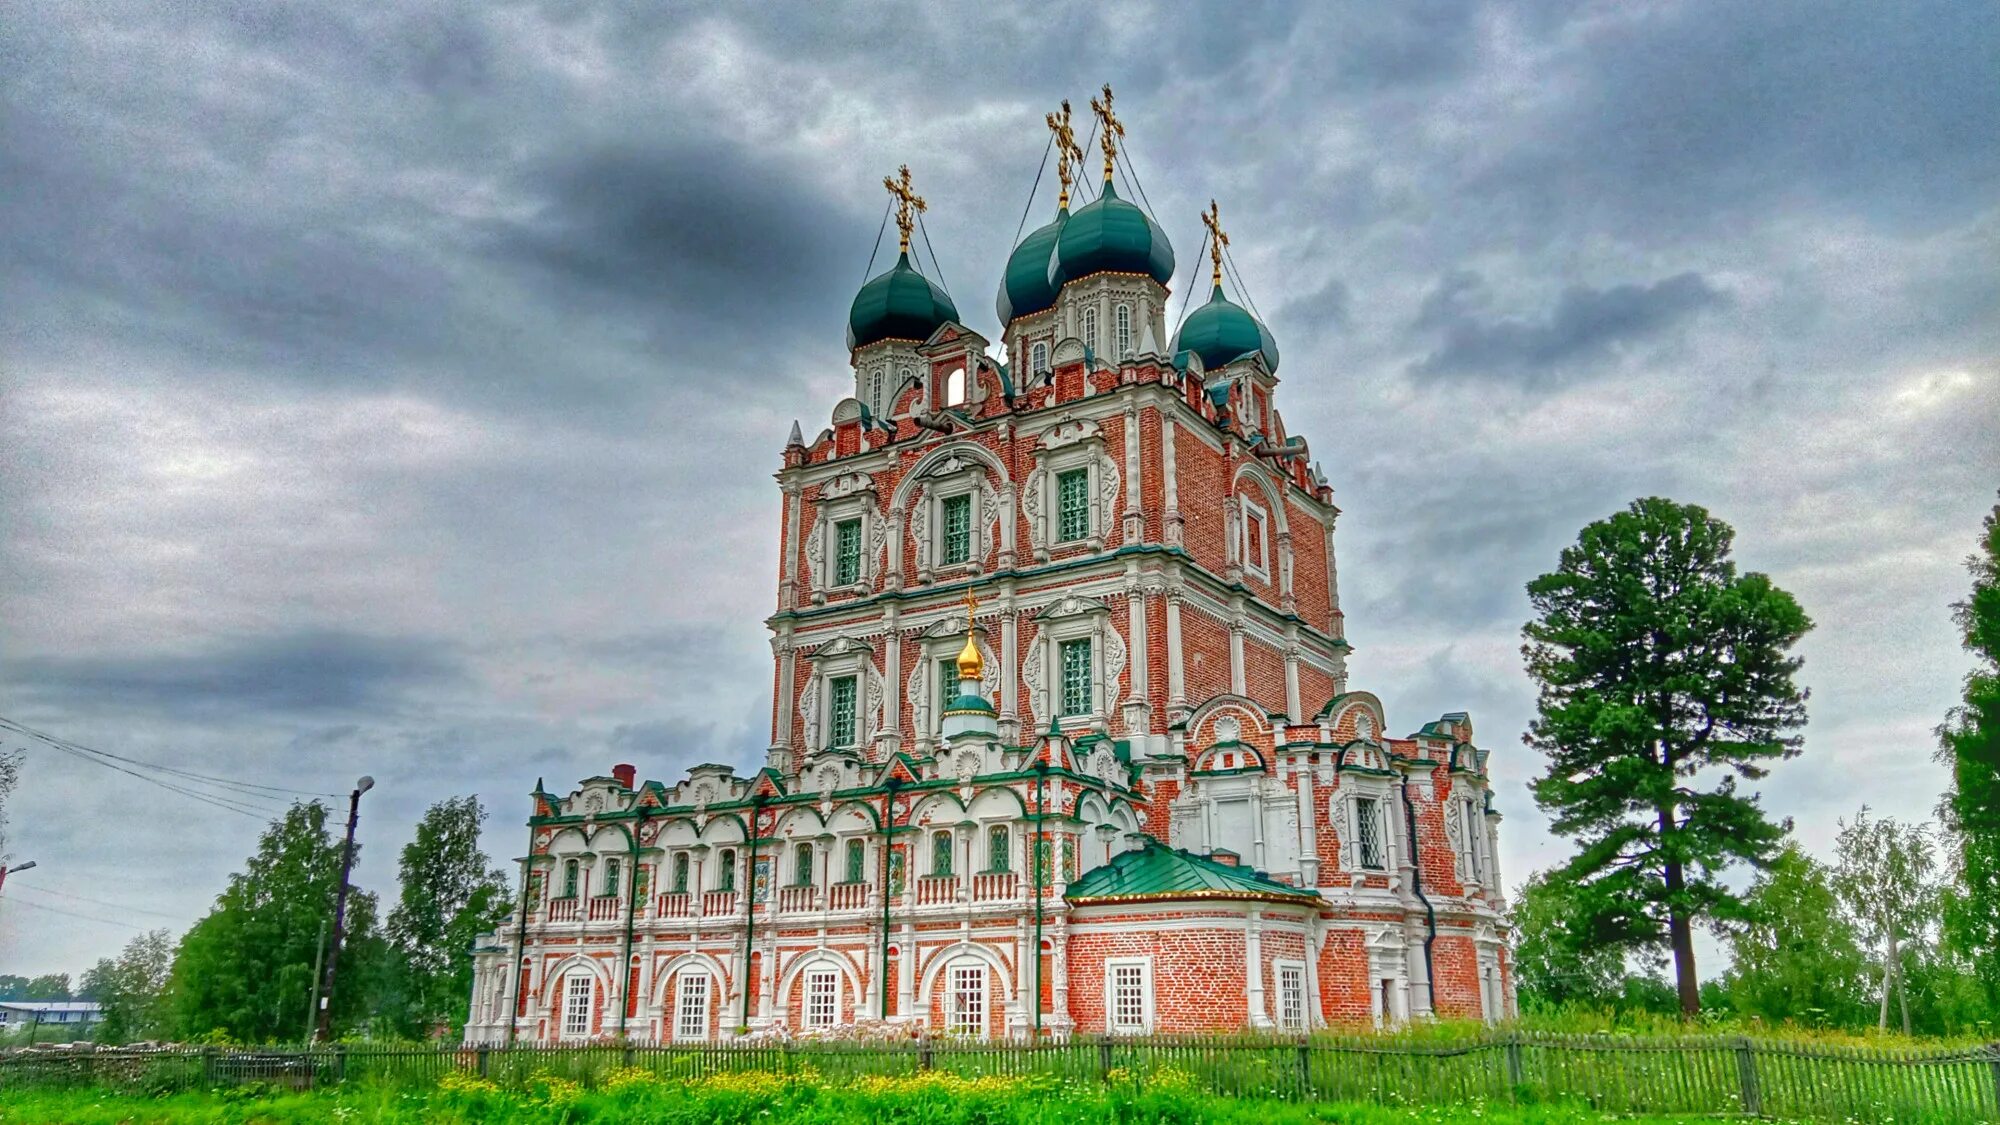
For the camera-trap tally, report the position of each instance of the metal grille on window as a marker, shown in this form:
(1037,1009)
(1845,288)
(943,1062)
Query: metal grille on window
(612,872)
(957,547)
(947,687)
(997,847)
(1291,997)
(691,1006)
(1072,505)
(941,853)
(725,876)
(968,1000)
(802,865)
(680,873)
(1122,324)
(856,859)
(578,992)
(1368,832)
(1128,997)
(822,997)
(840,724)
(1075,677)
(847,552)
(569,879)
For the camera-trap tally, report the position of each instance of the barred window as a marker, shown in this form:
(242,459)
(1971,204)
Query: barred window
(1368,833)
(998,845)
(1127,1009)
(680,873)
(968,1000)
(612,871)
(1291,997)
(857,859)
(570,869)
(1072,505)
(822,997)
(579,992)
(725,875)
(1075,660)
(1121,320)
(847,552)
(691,1006)
(802,865)
(947,687)
(957,520)
(940,853)
(840,712)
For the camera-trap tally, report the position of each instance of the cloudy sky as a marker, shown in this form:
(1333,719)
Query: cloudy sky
(396,389)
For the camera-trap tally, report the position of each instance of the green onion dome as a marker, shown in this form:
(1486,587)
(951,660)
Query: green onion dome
(968,705)
(1222,332)
(1109,235)
(1024,287)
(901,304)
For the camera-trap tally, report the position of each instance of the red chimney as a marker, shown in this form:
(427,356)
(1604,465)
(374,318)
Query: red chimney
(625,775)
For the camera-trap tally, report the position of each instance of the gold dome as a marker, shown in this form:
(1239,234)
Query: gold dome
(970,666)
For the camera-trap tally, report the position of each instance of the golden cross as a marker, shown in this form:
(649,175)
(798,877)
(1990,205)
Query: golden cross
(1068,155)
(1110,127)
(1218,238)
(971,605)
(905,200)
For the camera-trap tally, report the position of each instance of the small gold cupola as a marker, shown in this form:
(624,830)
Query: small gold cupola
(970,665)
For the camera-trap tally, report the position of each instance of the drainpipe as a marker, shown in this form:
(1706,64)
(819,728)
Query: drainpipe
(520,942)
(750,903)
(631,917)
(1417,885)
(1035,873)
(888,831)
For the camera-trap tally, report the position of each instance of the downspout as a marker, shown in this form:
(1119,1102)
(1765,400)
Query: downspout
(1430,912)
(1037,871)
(888,830)
(750,904)
(631,917)
(520,942)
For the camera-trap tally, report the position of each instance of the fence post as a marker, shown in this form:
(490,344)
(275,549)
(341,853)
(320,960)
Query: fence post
(1515,1073)
(207,1067)
(1993,1051)
(340,1063)
(1104,1058)
(628,1054)
(924,1053)
(485,1064)
(1305,1070)
(1746,1077)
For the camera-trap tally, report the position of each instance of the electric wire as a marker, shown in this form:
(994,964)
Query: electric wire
(1030,206)
(241,788)
(74,914)
(1189,291)
(35,890)
(868,270)
(1084,183)
(215,800)
(1125,152)
(935,268)
(1230,260)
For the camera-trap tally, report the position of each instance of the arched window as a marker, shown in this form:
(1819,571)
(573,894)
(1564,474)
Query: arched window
(1088,329)
(940,853)
(875,391)
(802,865)
(1122,325)
(954,387)
(1038,358)
(997,848)
(725,874)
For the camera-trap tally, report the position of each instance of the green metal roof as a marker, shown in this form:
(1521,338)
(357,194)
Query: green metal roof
(1223,331)
(968,703)
(1157,872)
(900,304)
(1109,234)
(1024,286)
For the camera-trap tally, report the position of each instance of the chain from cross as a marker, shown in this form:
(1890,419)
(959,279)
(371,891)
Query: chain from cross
(906,199)
(1218,239)
(1069,157)
(1110,129)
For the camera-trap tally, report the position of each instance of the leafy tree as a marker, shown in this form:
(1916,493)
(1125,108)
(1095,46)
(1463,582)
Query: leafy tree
(1660,668)
(130,988)
(1553,964)
(10,775)
(1797,956)
(1970,745)
(451,894)
(246,970)
(1885,875)
(48,986)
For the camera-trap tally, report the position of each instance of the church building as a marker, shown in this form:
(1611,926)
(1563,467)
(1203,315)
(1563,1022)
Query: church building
(1062,739)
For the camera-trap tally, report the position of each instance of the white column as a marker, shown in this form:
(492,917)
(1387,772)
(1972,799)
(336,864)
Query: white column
(1135,604)
(1135,523)
(893,576)
(1010,499)
(1010,669)
(1176,665)
(1253,970)
(1286,601)
(1169,478)
(906,976)
(1308,825)
(892,687)
(1294,712)
(788,555)
(1332,577)
(1238,680)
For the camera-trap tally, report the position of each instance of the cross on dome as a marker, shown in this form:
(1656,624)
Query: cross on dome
(1109,128)
(906,198)
(1218,239)
(1068,155)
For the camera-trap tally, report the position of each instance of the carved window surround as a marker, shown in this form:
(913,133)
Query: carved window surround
(1077,444)
(1074,618)
(850,496)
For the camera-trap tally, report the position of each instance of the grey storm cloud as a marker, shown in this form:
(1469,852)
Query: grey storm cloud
(396,388)
(1586,326)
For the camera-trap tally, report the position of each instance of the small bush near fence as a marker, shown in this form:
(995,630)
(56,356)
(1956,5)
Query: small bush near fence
(1712,1075)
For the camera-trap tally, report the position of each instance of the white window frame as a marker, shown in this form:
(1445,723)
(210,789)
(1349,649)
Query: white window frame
(691,1003)
(839,657)
(1056,536)
(831,514)
(1259,563)
(1060,689)
(1113,1025)
(827,735)
(579,1005)
(957,388)
(1472,826)
(961,1017)
(810,1012)
(1379,802)
(1121,320)
(1087,452)
(1086,329)
(1291,996)
(1038,359)
(969,482)
(1051,632)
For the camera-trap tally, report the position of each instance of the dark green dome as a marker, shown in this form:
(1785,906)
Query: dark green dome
(1109,234)
(965,703)
(1024,287)
(1223,331)
(901,304)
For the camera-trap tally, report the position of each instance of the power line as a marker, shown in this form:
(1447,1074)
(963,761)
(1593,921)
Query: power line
(1125,151)
(243,788)
(1189,291)
(99,902)
(877,248)
(74,914)
(1039,169)
(1241,288)
(935,268)
(85,754)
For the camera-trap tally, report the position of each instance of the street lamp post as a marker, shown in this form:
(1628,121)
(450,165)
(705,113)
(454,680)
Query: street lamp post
(340,910)
(6,871)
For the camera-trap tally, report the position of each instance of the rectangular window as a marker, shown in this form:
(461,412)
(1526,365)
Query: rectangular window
(956,545)
(998,845)
(1368,833)
(968,1000)
(1126,1010)
(1122,321)
(1088,330)
(680,873)
(857,859)
(725,874)
(802,865)
(691,1006)
(578,992)
(612,871)
(1471,830)
(1075,661)
(847,552)
(1042,866)
(941,853)
(822,997)
(1072,505)
(1254,539)
(840,711)
(947,687)
(1292,997)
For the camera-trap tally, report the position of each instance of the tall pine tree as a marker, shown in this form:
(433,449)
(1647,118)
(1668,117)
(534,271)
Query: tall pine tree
(1664,677)
(1970,745)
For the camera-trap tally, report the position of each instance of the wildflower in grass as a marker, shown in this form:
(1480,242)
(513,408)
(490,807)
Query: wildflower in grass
(551,1090)
(460,1083)
(631,1078)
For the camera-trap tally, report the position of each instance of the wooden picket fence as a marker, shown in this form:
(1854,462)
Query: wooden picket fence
(1699,1075)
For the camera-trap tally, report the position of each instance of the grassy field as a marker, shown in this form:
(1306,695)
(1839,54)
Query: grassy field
(762,1099)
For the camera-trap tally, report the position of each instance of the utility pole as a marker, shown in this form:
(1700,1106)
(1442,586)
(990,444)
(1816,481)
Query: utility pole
(340,910)
(319,963)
